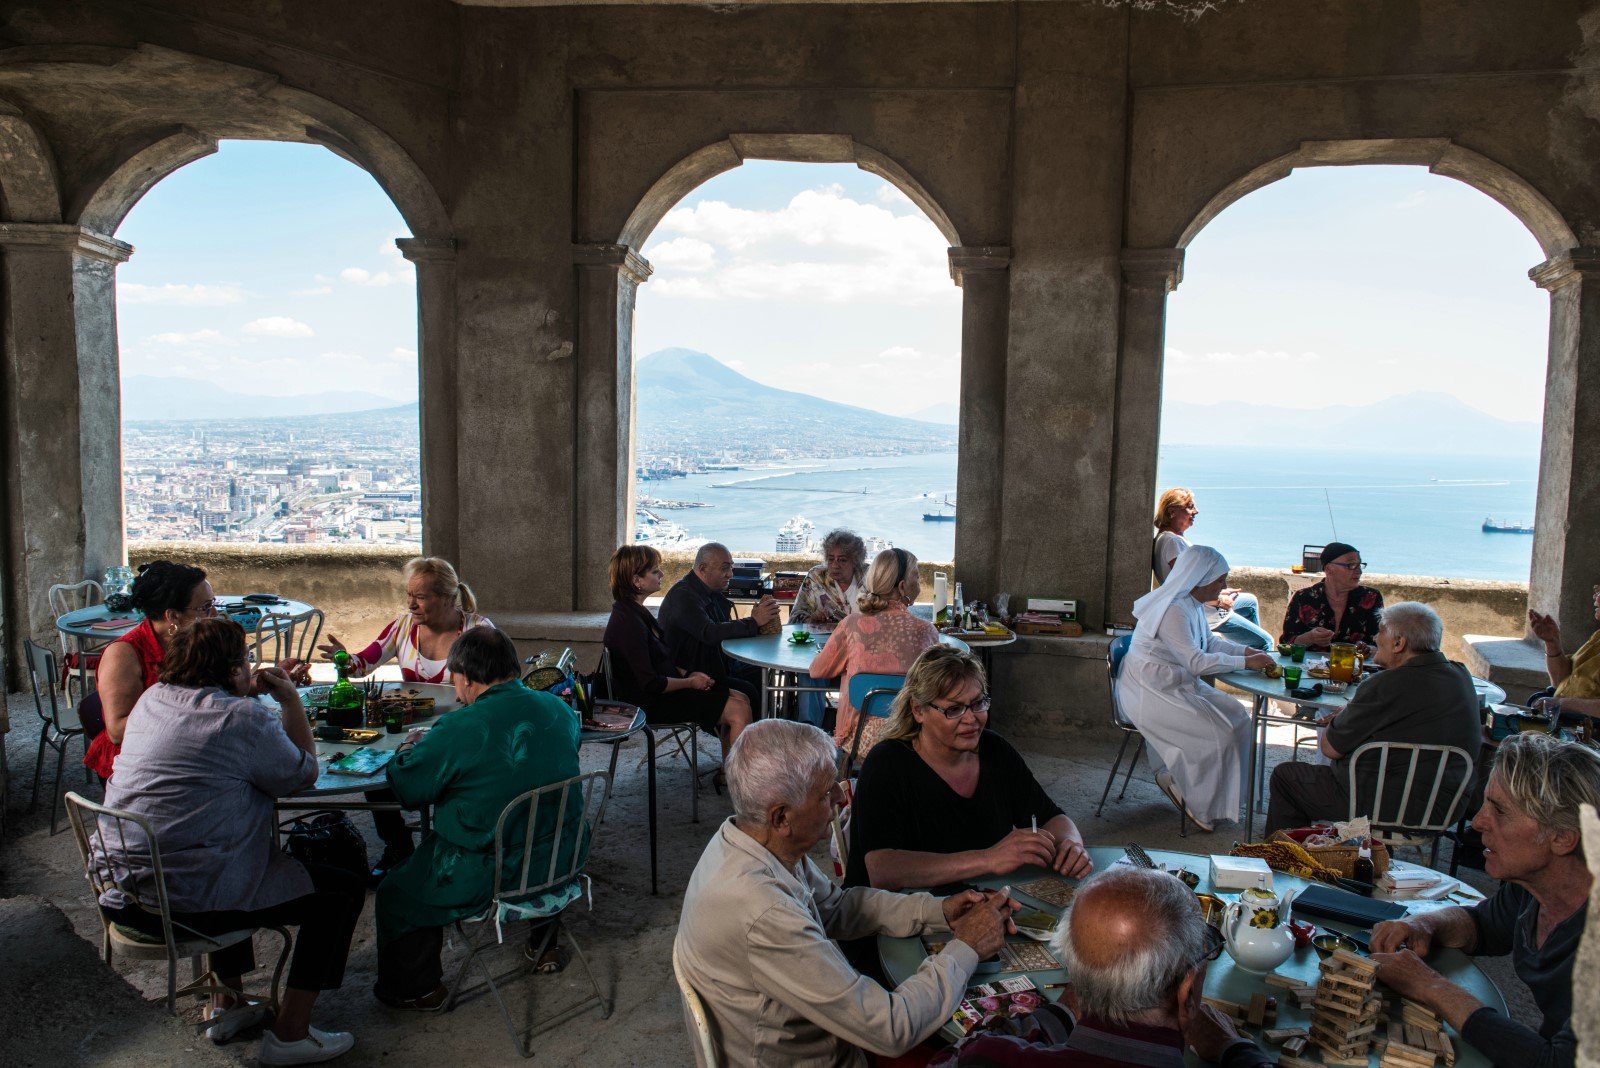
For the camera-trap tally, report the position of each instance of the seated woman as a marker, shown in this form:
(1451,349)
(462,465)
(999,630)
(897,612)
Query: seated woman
(170,596)
(882,637)
(203,763)
(641,664)
(1235,614)
(506,741)
(942,799)
(1337,609)
(1576,678)
(439,609)
(1200,737)
(826,597)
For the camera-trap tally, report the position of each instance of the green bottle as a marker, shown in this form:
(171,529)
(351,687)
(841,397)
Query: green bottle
(345,703)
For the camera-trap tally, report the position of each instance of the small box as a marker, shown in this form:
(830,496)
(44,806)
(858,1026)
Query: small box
(1311,559)
(1239,873)
(1066,607)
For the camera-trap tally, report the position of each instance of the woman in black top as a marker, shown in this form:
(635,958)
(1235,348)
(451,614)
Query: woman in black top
(941,799)
(642,670)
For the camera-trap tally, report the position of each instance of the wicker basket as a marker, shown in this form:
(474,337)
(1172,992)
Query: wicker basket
(1342,858)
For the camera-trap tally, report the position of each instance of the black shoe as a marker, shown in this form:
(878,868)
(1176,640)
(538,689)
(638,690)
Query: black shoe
(393,857)
(432,1001)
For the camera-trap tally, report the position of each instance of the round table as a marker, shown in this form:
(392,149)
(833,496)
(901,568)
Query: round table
(777,656)
(902,956)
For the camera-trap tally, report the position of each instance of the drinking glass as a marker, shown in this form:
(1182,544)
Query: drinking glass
(1297,653)
(1291,677)
(1341,662)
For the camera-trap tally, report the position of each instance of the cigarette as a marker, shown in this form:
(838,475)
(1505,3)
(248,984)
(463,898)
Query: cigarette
(1035,821)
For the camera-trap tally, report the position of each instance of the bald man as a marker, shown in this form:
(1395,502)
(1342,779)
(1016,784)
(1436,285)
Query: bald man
(1137,950)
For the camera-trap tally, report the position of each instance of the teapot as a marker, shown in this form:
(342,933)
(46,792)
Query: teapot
(1256,929)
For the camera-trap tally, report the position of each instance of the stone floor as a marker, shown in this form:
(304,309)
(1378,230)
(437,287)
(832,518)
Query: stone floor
(63,1005)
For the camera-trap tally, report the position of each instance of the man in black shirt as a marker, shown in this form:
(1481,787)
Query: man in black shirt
(696,618)
(1529,823)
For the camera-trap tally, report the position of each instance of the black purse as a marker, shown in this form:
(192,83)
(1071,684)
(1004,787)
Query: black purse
(328,839)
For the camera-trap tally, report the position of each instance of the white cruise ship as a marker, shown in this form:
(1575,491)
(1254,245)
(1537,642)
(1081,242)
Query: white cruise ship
(794,535)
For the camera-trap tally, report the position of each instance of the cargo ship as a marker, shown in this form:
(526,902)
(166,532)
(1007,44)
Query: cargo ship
(941,517)
(1495,526)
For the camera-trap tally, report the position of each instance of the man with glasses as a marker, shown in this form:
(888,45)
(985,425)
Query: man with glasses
(1337,609)
(1137,949)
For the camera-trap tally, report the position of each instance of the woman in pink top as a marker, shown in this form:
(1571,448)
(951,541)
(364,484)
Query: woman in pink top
(880,637)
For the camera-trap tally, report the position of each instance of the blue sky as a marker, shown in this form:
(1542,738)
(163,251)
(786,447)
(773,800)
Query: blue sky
(271,267)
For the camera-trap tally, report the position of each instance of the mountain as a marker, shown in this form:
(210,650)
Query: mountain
(946,412)
(1420,422)
(149,397)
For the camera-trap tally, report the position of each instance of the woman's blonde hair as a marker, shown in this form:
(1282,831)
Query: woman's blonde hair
(890,570)
(1176,497)
(446,583)
(627,564)
(940,670)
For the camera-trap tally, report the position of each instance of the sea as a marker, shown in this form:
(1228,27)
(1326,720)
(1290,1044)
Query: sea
(1408,515)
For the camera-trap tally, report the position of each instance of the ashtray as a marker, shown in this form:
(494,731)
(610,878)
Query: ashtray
(1335,687)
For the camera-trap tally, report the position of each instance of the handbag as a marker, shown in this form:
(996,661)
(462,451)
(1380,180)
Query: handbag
(328,839)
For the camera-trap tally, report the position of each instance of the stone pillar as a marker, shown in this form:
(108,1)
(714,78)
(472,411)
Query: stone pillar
(62,450)
(982,272)
(1566,541)
(1148,275)
(438,400)
(609,277)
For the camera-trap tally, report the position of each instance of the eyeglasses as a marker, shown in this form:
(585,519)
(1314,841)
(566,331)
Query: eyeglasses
(980,707)
(1359,565)
(1214,945)
(209,608)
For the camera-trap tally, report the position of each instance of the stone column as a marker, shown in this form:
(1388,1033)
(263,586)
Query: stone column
(983,274)
(1566,541)
(1148,275)
(438,400)
(609,277)
(62,449)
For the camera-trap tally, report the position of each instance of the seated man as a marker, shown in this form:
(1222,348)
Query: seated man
(697,617)
(756,938)
(1529,823)
(1421,698)
(506,741)
(1136,948)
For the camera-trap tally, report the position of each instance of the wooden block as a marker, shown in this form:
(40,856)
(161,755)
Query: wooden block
(1257,1012)
(1284,981)
(1358,1060)
(1296,1045)
(1279,1035)
(1354,963)
(1447,1048)
(1404,1051)
(1287,1061)
(1411,1008)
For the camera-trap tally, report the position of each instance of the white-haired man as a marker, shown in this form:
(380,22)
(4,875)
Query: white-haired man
(757,938)
(1136,948)
(1420,697)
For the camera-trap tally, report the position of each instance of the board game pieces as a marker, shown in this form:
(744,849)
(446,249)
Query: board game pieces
(1346,1009)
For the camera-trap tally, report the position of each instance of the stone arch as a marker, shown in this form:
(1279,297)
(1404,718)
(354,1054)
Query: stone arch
(29,189)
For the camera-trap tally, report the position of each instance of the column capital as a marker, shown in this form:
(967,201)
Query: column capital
(1582,262)
(964,258)
(63,237)
(427,249)
(620,257)
(1152,268)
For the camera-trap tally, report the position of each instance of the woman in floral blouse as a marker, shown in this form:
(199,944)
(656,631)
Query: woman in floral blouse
(829,591)
(1337,609)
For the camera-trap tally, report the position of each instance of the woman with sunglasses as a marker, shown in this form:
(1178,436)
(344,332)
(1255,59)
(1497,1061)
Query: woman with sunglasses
(880,637)
(942,799)
(1337,609)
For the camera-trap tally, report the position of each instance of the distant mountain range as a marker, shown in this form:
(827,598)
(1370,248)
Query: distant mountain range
(149,397)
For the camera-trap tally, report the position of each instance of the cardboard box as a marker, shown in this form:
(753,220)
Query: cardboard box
(1239,873)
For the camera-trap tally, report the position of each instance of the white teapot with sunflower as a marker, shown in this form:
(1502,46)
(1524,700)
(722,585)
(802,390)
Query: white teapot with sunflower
(1256,929)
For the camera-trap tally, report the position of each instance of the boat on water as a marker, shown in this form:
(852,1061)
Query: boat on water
(1497,526)
(794,535)
(942,516)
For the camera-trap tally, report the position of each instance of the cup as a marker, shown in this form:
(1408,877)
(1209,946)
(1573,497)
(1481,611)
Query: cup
(1291,677)
(1297,653)
(1341,662)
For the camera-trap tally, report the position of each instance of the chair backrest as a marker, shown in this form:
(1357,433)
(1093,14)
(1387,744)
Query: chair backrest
(42,677)
(705,1042)
(70,596)
(872,695)
(576,806)
(1115,652)
(279,636)
(603,669)
(112,843)
(1442,807)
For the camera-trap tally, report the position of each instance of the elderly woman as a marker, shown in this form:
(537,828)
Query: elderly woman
(170,597)
(506,741)
(1575,678)
(756,937)
(830,589)
(943,799)
(1200,736)
(1235,614)
(1533,846)
(882,637)
(203,762)
(1337,609)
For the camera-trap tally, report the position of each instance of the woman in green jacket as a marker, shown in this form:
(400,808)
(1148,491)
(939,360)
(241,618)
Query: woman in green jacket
(506,741)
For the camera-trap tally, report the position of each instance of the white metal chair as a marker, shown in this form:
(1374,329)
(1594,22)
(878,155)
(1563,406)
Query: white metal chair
(58,723)
(280,636)
(684,738)
(706,1054)
(1412,821)
(75,658)
(542,894)
(106,838)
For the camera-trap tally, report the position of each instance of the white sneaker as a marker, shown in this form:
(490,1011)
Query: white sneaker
(231,1021)
(1170,787)
(316,1047)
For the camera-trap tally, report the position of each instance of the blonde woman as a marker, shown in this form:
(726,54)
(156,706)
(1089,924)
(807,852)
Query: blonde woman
(439,609)
(880,637)
(943,799)
(1235,614)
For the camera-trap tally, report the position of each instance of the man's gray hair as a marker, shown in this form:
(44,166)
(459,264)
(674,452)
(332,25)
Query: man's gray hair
(776,761)
(1418,624)
(1141,977)
(1547,779)
(710,548)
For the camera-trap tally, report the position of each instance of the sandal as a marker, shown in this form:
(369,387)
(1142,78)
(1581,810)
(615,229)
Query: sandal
(548,962)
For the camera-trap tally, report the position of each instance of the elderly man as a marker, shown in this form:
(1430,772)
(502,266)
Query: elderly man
(696,618)
(1420,697)
(757,935)
(1529,823)
(1136,948)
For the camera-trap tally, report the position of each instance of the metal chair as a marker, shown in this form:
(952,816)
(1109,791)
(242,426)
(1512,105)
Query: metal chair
(280,636)
(58,725)
(70,597)
(871,695)
(1114,654)
(705,1050)
(542,894)
(684,737)
(1404,824)
(107,840)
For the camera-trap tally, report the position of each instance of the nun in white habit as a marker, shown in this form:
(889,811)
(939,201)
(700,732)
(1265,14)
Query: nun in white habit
(1200,735)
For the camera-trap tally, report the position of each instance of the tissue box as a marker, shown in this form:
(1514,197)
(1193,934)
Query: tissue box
(1239,873)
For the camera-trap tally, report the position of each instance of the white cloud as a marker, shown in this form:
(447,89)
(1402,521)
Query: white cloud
(890,196)
(193,337)
(362,277)
(200,294)
(683,254)
(1258,359)
(1412,200)
(278,326)
(312,291)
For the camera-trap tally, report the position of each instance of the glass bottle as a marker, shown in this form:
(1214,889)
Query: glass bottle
(1362,871)
(344,699)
